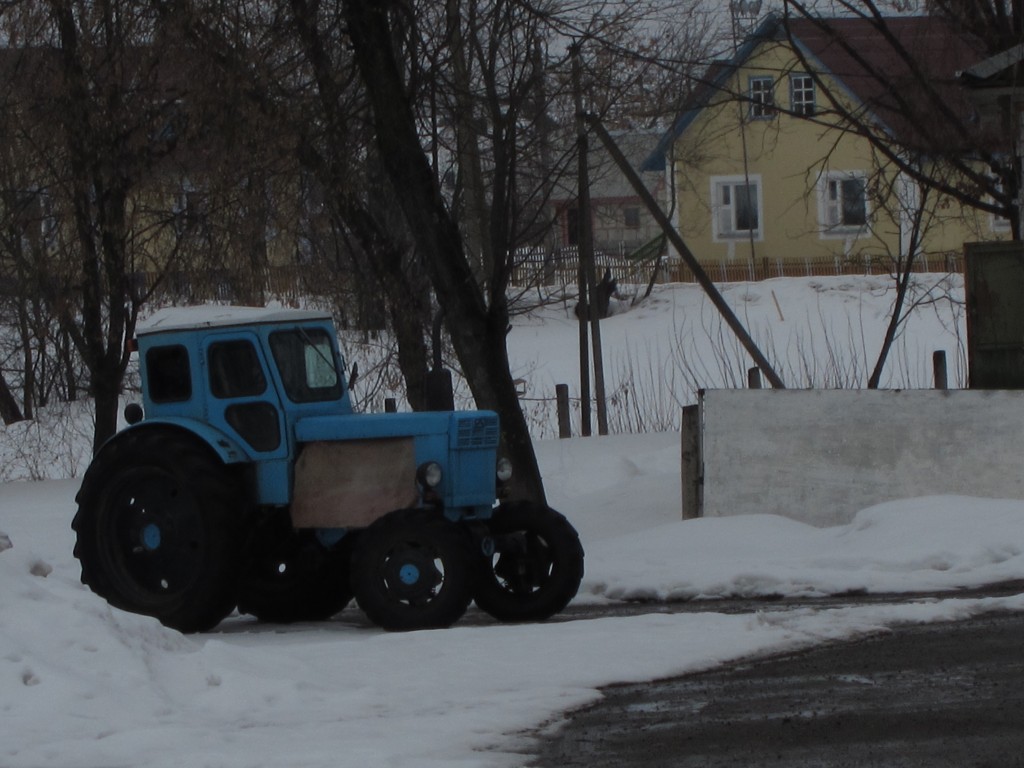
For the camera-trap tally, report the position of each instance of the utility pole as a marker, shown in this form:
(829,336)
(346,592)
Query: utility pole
(684,252)
(586,254)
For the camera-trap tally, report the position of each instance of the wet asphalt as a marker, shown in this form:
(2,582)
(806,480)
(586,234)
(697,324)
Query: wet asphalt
(934,695)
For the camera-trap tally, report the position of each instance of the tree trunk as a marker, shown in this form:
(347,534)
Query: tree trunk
(101,174)
(478,334)
(402,285)
(902,285)
(106,400)
(474,203)
(9,410)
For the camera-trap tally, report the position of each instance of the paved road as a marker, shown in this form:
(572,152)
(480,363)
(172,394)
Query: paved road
(930,696)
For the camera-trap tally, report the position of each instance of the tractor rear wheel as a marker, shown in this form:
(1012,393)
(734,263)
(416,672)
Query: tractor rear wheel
(157,525)
(291,576)
(412,569)
(536,566)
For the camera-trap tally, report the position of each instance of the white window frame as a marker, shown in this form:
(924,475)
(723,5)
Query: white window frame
(34,211)
(188,207)
(830,205)
(999,224)
(761,91)
(724,209)
(802,94)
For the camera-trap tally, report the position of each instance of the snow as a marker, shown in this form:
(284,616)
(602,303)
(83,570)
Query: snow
(84,685)
(184,318)
(816,332)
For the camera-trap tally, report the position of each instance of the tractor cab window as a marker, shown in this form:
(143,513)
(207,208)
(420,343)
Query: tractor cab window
(168,374)
(306,361)
(235,369)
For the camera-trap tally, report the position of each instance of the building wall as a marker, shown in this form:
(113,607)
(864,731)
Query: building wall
(793,159)
(625,222)
(620,221)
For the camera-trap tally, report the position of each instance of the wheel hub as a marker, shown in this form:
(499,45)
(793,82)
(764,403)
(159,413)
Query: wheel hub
(409,574)
(412,575)
(160,531)
(524,562)
(151,537)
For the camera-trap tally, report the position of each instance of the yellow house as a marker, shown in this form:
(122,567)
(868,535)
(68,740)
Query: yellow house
(769,174)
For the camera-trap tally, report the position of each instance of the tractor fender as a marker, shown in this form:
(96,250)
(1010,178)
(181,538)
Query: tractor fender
(228,450)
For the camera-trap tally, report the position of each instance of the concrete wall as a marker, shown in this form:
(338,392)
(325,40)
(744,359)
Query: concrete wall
(819,456)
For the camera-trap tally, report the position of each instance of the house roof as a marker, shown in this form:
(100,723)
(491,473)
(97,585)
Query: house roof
(713,81)
(882,80)
(607,182)
(866,63)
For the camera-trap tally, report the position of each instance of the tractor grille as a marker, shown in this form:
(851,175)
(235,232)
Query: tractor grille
(477,432)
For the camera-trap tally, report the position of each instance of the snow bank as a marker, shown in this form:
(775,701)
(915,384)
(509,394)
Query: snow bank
(83,685)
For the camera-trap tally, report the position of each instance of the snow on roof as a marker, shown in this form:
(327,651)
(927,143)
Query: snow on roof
(185,318)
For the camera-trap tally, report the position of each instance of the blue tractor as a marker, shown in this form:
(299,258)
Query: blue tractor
(246,481)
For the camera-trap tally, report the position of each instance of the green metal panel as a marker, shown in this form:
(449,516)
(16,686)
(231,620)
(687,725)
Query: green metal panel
(994,291)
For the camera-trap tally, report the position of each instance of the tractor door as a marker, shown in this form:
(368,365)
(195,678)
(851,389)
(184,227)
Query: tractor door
(242,400)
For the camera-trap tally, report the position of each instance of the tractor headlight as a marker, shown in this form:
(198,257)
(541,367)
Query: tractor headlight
(504,470)
(429,474)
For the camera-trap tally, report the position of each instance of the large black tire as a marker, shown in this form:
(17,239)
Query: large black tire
(158,524)
(290,576)
(412,569)
(536,567)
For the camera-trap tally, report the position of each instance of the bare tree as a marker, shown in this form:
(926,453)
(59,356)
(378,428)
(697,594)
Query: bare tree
(473,129)
(928,135)
(476,329)
(999,24)
(93,105)
(152,165)
(294,79)
(340,154)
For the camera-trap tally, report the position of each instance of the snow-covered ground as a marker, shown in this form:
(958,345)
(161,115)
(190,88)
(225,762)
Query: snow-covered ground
(816,332)
(83,685)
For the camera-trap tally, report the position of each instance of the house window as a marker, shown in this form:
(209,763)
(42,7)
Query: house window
(801,94)
(999,222)
(29,215)
(632,218)
(191,207)
(737,207)
(845,204)
(762,97)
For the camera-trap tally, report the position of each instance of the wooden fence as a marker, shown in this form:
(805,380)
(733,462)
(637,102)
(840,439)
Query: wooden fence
(530,268)
(560,268)
(288,284)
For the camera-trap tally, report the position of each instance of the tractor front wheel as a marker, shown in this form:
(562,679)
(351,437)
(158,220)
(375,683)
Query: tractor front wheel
(412,569)
(536,565)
